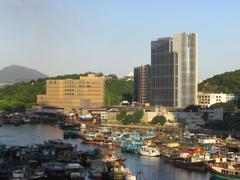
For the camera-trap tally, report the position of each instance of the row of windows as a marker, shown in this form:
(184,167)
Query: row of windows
(52,82)
(83,86)
(69,89)
(99,94)
(67,94)
(70,86)
(90,82)
(69,82)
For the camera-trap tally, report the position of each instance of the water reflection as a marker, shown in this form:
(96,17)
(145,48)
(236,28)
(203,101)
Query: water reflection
(28,134)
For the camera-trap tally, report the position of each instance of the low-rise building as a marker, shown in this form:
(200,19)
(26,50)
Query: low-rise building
(205,100)
(214,114)
(158,111)
(193,120)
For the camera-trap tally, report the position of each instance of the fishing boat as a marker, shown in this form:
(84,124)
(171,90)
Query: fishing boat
(18,174)
(149,151)
(130,148)
(129,175)
(38,174)
(70,134)
(112,156)
(116,172)
(54,170)
(187,160)
(97,169)
(191,164)
(75,171)
(225,170)
(132,143)
(95,174)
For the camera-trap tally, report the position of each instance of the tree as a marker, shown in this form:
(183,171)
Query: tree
(128,119)
(159,120)
(192,108)
(114,76)
(205,116)
(228,106)
(116,89)
(138,114)
(121,115)
(182,122)
(228,82)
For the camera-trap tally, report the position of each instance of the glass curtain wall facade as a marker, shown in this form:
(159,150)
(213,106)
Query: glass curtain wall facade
(174,70)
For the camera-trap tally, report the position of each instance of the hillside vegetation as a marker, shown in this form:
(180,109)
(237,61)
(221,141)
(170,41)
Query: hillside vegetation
(228,82)
(23,95)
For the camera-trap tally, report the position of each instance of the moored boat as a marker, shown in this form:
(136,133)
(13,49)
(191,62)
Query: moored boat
(149,151)
(75,171)
(54,170)
(18,174)
(129,175)
(191,164)
(225,170)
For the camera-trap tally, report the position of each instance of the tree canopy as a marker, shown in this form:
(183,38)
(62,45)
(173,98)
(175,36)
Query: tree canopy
(192,108)
(159,120)
(134,118)
(116,89)
(138,114)
(121,115)
(228,82)
(228,106)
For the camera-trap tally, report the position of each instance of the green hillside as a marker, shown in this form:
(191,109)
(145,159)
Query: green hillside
(21,95)
(228,82)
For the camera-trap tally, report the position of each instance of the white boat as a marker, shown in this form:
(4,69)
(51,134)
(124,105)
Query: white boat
(26,120)
(129,175)
(110,157)
(149,151)
(18,174)
(76,171)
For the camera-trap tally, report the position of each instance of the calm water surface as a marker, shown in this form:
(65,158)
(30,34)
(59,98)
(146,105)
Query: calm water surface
(153,168)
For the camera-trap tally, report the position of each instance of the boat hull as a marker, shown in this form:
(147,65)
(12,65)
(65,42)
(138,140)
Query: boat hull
(196,166)
(224,176)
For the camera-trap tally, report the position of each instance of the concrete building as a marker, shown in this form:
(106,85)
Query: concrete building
(193,120)
(205,100)
(141,83)
(158,111)
(174,70)
(86,92)
(214,114)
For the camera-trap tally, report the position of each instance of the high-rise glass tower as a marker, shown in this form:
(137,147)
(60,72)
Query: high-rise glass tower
(174,70)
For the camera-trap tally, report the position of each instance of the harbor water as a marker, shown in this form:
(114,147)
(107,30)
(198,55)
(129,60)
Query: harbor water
(153,168)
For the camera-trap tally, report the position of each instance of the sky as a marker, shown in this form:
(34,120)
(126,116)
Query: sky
(60,37)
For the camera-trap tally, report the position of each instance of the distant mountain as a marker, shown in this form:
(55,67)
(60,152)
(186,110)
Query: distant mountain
(228,82)
(16,73)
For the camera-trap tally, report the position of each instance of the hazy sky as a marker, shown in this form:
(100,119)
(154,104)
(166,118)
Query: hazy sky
(58,37)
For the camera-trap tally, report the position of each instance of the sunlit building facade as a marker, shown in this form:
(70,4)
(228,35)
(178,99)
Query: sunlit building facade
(174,70)
(141,83)
(205,100)
(85,92)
